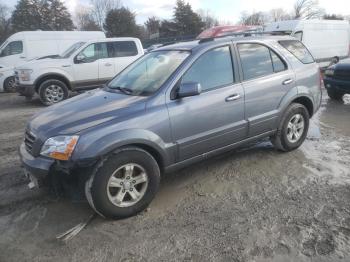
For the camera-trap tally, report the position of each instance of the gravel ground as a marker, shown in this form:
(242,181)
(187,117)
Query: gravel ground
(253,204)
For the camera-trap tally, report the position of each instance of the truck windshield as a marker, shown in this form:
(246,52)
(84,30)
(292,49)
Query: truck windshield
(71,50)
(148,74)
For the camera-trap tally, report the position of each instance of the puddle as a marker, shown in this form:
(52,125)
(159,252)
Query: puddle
(327,144)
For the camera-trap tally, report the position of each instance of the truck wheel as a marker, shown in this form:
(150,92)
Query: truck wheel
(123,184)
(333,94)
(53,91)
(293,128)
(9,85)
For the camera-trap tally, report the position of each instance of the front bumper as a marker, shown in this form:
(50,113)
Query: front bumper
(39,167)
(339,85)
(25,90)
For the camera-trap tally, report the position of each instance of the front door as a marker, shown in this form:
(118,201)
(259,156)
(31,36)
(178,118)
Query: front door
(12,54)
(266,80)
(86,66)
(215,118)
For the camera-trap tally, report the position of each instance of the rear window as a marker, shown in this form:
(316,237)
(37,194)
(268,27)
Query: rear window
(298,50)
(122,49)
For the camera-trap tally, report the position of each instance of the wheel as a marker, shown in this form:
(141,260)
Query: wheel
(123,184)
(53,91)
(9,84)
(333,94)
(293,128)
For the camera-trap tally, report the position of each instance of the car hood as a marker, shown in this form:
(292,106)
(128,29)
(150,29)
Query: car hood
(84,111)
(44,63)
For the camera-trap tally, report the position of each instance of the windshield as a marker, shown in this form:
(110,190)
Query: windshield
(149,73)
(71,50)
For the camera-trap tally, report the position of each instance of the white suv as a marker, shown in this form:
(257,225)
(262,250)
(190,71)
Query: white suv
(85,65)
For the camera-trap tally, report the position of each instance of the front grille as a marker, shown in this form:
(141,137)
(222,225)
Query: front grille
(29,140)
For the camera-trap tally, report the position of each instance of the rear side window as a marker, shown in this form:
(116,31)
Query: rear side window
(298,50)
(12,48)
(258,60)
(122,49)
(213,69)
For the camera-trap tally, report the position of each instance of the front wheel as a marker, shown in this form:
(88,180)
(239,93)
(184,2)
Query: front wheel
(9,85)
(53,91)
(124,184)
(293,128)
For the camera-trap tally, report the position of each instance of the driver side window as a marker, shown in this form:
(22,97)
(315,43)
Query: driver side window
(12,48)
(212,70)
(89,54)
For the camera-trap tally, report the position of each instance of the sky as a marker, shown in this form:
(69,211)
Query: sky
(224,10)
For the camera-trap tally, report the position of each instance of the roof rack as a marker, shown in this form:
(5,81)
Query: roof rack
(244,34)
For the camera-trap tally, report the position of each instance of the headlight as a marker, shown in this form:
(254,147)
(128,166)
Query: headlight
(59,147)
(24,74)
(329,72)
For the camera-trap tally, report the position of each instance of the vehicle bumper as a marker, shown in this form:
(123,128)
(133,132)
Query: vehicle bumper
(35,167)
(25,90)
(339,85)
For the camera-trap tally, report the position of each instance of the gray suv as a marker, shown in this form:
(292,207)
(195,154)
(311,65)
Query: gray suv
(172,107)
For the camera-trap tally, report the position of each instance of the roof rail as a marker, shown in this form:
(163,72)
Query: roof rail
(244,34)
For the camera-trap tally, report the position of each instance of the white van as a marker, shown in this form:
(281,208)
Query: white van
(24,46)
(324,38)
(86,65)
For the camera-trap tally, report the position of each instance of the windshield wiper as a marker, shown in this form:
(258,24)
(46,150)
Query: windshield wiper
(124,90)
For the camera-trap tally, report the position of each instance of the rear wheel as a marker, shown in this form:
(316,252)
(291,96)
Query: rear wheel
(334,94)
(124,184)
(293,128)
(53,91)
(9,84)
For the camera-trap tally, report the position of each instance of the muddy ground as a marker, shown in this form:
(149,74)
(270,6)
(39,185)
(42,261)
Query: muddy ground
(253,204)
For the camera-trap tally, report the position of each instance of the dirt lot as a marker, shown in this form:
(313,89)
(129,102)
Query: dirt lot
(254,204)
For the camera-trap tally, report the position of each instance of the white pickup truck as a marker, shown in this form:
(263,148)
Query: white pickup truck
(85,65)
(22,47)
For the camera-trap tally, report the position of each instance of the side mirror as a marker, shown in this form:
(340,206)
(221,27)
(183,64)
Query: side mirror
(335,60)
(189,89)
(79,59)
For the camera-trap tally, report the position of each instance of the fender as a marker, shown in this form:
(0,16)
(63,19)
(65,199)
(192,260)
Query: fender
(57,73)
(105,144)
(293,94)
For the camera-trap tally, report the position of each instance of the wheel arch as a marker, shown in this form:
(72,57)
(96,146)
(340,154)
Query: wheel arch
(149,149)
(305,101)
(55,76)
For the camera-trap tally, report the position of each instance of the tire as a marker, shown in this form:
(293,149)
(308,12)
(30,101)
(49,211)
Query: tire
(290,135)
(335,95)
(102,195)
(53,91)
(9,85)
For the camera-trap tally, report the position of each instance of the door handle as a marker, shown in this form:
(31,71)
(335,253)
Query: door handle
(233,97)
(108,64)
(287,81)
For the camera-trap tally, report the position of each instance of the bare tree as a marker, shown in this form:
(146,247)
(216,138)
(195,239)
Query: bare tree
(100,8)
(5,22)
(208,19)
(307,9)
(255,18)
(279,15)
(85,20)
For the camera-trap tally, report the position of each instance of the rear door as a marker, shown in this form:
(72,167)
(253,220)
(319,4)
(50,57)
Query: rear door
(215,118)
(266,80)
(126,52)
